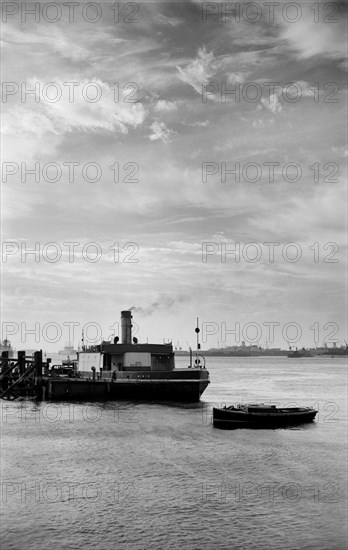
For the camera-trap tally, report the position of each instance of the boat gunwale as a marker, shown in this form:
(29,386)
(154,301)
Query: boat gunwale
(275,413)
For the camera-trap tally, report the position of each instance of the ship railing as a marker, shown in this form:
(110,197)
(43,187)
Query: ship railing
(197,362)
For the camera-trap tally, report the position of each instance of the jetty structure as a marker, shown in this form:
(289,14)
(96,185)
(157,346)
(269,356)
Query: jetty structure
(111,370)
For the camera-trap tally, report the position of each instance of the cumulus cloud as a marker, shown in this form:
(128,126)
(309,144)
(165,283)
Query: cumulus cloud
(200,70)
(28,134)
(39,126)
(90,105)
(298,89)
(26,121)
(308,37)
(160,131)
(165,106)
(236,77)
(272,104)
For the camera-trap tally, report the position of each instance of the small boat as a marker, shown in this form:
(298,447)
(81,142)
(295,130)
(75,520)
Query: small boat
(260,415)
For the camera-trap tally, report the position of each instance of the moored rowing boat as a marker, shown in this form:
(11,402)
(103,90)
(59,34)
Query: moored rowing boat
(260,416)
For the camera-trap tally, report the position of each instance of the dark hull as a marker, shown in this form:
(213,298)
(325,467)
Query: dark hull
(233,419)
(176,390)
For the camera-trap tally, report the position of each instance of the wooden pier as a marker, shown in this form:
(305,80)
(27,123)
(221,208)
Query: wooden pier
(22,377)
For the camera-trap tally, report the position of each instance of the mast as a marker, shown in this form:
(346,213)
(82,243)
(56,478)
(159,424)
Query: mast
(198,347)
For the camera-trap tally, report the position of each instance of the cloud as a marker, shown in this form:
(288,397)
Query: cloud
(200,124)
(233,78)
(52,39)
(309,38)
(165,106)
(340,151)
(200,70)
(109,112)
(28,134)
(343,65)
(160,131)
(260,123)
(26,121)
(272,104)
(80,111)
(172,21)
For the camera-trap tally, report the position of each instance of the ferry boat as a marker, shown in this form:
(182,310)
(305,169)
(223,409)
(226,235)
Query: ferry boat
(260,416)
(129,370)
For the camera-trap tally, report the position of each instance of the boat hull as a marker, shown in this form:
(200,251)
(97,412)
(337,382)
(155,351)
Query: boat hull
(232,419)
(153,390)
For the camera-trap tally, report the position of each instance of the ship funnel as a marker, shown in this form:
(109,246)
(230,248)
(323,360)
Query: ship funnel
(126,327)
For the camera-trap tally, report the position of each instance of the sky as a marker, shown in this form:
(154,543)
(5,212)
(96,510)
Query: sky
(164,136)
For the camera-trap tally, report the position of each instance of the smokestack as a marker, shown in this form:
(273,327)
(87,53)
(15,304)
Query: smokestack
(126,327)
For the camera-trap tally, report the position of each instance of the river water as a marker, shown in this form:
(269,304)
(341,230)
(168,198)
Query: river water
(159,476)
